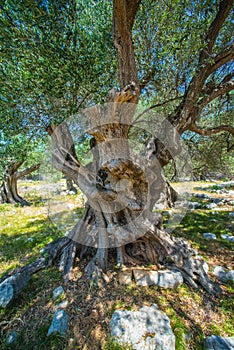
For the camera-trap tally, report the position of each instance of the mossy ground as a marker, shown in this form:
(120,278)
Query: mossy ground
(193,313)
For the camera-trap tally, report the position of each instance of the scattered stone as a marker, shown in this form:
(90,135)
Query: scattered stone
(62,305)
(211,206)
(11,287)
(72,192)
(63,193)
(59,323)
(224,275)
(194,205)
(11,338)
(228,238)
(201,195)
(215,342)
(165,279)
(125,277)
(149,328)
(209,235)
(216,200)
(58,292)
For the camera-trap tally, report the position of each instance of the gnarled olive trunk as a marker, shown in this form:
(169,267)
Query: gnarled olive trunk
(120,188)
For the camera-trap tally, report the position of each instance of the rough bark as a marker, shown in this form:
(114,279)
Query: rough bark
(9,188)
(121,194)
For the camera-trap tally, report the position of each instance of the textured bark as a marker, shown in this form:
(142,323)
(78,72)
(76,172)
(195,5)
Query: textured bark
(9,188)
(121,196)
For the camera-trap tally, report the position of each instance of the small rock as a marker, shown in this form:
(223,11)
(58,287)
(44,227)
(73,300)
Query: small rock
(216,200)
(58,292)
(164,279)
(72,192)
(230,275)
(11,338)
(149,328)
(215,342)
(209,235)
(125,277)
(194,205)
(224,275)
(11,287)
(30,239)
(59,323)
(61,305)
(201,195)
(63,193)
(231,214)
(211,206)
(228,238)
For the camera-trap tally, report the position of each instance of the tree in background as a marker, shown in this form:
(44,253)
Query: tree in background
(15,152)
(185,67)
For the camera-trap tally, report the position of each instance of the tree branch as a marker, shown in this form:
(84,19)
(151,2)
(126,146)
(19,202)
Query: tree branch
(144,81)
(211,131)
(132,6)
(187,112)
(11,169)
(155,106)
(217,91)
(27,171)
(124,12)
(221,58)
(225,7)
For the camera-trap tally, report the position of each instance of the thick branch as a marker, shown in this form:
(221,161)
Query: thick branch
(27,171)
(13,168)
(132,8)
(124,12)
(187,112)
(225,7)
(211,131)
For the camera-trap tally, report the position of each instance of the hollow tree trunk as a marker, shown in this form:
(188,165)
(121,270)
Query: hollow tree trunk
(9,188)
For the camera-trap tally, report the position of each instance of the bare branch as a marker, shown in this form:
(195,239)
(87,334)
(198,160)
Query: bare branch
(211,131)
(136,120)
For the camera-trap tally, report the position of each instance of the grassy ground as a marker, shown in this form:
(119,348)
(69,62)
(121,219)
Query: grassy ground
(193,313)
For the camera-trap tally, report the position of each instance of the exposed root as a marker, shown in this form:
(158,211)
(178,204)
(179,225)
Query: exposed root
(159,247)
(67,260)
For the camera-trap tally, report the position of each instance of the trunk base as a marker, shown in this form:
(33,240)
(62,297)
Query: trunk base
(156,247)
